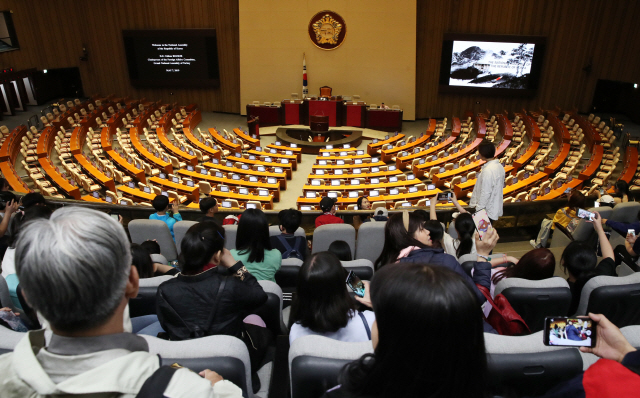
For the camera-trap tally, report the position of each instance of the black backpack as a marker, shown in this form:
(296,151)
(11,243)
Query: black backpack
(292,252)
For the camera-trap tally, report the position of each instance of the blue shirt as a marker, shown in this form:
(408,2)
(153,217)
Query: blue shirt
(170,221)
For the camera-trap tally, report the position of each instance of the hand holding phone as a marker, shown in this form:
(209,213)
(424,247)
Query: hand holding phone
(611,343)
(355,284)
(587,215)
(482,222)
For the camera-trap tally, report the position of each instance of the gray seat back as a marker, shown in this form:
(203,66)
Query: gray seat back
(274,230)
(287,275)
(626,212)
(370,240)
(225,355)
(230,232)
(180,229)
(141,230)
(315,363)
(535,300)
(145,302)
(271,311)
(324,235)
(618,298)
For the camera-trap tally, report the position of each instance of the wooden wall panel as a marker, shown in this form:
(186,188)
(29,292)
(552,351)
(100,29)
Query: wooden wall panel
(53,33)
(579,32)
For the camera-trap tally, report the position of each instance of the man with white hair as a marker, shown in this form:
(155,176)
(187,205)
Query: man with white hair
(75,270)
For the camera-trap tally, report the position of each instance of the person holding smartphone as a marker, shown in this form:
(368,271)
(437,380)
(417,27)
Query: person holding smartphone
(579,261)
(614,350)
(630,251)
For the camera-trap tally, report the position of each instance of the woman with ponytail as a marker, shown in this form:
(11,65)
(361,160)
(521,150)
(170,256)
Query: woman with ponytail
(579,261)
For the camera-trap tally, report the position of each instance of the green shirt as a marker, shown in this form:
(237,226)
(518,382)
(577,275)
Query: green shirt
(265,270)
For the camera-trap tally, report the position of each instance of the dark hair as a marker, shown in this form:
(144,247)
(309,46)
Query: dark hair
(20,219)
(341,249)
(359,202)
(32,199)
(322,302)
(486,149)
(151,246)
(253,235)
(428,342)
(141,259)
(5,198)
(198,246)
(160,203)
(622,188)
(535,265)
(465,227)
(4,185)
(207,203)
(423,213)
(577,201)
(580,260)
(396,238)
(290,219)
(436,233)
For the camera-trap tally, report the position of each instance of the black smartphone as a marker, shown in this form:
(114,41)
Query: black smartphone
(355,284)
(570,331)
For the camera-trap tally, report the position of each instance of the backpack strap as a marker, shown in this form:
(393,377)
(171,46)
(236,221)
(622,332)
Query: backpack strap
(298,243)
(284,242)
(157,383)
(366,325)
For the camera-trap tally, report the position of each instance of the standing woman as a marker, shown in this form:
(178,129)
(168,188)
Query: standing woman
(253,246)
(425,345)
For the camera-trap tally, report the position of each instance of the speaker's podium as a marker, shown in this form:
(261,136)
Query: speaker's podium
(319,126)
(253,126)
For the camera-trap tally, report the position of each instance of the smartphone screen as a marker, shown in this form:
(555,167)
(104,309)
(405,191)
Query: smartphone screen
(444,196)
(631,232)
(587,215)
(483,223)
(569,332)
(596,204)
(114,216)
(355,284)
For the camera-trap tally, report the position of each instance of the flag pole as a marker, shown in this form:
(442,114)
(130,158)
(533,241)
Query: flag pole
(305,90)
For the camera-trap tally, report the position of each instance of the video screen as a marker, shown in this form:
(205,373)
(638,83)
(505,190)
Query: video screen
(172,58)
(491,64)
(570,331)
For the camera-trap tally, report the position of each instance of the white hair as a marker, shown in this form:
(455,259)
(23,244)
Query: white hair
(74,267)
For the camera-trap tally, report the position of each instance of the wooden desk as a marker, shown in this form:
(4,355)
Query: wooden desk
(390,199)
(560,131)
(504,125)
(144,152)
(282,177)
(136,195)
(224,142)
(384,120)
(266,201)
(630,164)
(537,178)
(558,192)
(296,151)
(368,176)
(254,142)
(207,150)
(97,175)
(293,159)
(182,155)
(269,115)
(347,166)
(128,168)
(339,149)
(365,156)
(558,161)
(192,193)
(46,138)
(287,167)
(591,136)
(361,187)
(57,179)
(594,163)
(274,189)
(89,198)
(403,161)
(533,131)
(526,157)
(331,108)
(373,148)
(354,114)
(10,174)
(388,154)
(11,145)
(419,170)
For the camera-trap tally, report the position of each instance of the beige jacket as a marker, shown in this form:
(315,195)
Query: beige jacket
(24,373)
